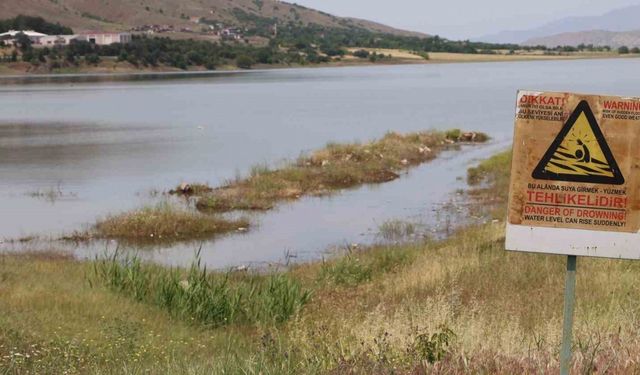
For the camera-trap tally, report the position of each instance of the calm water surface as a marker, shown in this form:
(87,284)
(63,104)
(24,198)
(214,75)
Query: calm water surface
(106,145)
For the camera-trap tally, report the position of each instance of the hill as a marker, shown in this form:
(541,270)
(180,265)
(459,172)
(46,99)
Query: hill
(594,37)
(618,20)
(83,15)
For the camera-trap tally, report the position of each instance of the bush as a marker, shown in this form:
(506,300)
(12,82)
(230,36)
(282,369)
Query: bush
(244,62)
(361,53)
(92,59)
(433,348)
(623,50)
(453,134)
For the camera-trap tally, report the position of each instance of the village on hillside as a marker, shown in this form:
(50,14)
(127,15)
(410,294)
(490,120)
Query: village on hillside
(38,39)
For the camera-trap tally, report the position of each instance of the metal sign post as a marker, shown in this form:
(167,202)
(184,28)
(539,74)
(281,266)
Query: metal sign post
(574,183)
(567,325)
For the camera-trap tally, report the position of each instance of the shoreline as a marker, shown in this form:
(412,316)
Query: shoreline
(97,73)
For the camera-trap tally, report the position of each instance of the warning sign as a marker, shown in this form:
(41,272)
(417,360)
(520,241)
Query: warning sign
(575,175)
(579,153)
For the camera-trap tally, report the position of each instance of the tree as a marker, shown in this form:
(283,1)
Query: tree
(27,55)
(123,56)
(23,41)
(623,50)
(70,56)
(92,59)
(635,50)
(361,53)
(33,23)
(244,62)
(195,58)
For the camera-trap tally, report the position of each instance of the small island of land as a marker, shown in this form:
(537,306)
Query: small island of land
(325,171)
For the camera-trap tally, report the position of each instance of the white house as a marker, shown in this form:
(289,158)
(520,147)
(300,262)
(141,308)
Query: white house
(102,38)
(59,40)
(33,36)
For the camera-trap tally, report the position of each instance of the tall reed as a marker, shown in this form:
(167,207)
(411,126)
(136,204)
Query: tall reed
(194,294)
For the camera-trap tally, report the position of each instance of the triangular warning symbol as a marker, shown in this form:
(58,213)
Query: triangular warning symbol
(579,153)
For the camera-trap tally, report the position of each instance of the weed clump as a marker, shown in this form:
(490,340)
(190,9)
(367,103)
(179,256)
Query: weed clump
(358,267)
(164,223)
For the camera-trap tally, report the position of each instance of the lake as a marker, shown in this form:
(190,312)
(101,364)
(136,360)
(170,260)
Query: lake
(107,146)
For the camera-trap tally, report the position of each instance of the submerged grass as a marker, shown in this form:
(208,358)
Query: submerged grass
(335,167)
(394,230)
(490,184)
(164,222)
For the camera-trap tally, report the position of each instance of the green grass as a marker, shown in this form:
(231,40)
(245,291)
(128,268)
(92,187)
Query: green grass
(337,166)
(360,266)
(210,299)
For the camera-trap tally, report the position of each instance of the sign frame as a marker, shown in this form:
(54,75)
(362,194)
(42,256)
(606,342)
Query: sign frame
(557,238)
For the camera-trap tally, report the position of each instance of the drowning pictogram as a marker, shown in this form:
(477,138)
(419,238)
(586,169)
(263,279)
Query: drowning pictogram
(580,153)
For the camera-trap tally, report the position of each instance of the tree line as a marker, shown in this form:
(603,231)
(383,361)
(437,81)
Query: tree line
(34,23)
(293,43)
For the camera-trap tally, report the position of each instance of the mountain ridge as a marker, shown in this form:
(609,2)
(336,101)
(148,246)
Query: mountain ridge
(616,20)
(120,15)
(612,39)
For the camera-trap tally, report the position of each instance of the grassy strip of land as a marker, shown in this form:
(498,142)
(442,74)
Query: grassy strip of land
(458,306)
(160,223)
(335,167)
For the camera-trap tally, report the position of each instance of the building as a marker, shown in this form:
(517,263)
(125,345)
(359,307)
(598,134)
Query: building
(102,38)
(39,39)
(60,40)
(231,33)
(33,36)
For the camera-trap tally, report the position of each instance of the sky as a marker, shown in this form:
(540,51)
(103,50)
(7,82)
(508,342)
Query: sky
(464,19)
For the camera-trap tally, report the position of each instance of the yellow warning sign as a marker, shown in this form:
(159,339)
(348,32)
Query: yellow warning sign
(579,153)
(575,163)
(575,175)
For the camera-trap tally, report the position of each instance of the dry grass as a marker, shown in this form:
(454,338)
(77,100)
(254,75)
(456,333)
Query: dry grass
(337,166)
(394,53)
(463,305)
(499,55)
(164,223)
(478,57)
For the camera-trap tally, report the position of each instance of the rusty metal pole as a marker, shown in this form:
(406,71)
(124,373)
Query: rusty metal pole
(569,304)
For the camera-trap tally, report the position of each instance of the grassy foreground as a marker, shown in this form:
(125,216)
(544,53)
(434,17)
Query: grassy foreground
(335,167)
(458,306)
